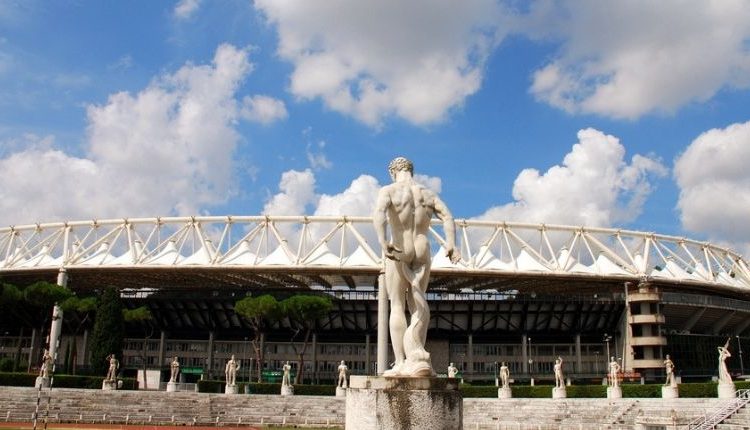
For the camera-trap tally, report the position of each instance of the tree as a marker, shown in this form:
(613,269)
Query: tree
(303,311)
(77,313)
(259,312)
(10,298)
(109,330)
(141,315)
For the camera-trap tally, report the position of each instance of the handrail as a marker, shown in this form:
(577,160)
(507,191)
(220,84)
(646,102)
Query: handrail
(708,422)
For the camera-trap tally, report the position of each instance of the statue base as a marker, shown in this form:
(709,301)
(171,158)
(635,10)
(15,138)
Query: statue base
(41,382)
(727,390)
(403,403)
(287,390)
(669,392)
(231,389)
(340,392)
(559,393)
(504,393)
(108,385)
(614,393)
(171,387)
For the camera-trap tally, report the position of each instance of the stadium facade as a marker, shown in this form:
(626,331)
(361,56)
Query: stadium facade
(523,294)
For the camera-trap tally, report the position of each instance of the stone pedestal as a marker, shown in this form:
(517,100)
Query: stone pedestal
(374,403)
(727,391)
(559,393)
(668,392)
(287,390)
(41,382)
(231,389)
(614,393)
(504,393)
(108,385)
(340,392)
(171,387)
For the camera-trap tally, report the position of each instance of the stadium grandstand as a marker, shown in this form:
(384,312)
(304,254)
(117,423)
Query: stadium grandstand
(523,294)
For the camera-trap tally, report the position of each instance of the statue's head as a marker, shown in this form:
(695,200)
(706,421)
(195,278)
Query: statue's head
(232,356)
(400,164)
(451,364)
(667,356)
(342,362)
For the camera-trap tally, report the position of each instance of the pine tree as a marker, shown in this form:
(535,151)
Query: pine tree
(109,331)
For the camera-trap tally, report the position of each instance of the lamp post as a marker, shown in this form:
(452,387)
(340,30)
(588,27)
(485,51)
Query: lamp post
(606,339)
(739,346)
(531,363)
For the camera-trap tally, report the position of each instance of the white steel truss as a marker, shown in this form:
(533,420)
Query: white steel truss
(347,243)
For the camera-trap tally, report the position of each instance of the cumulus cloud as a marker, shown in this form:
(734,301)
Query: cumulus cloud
(263,109)
(296,194)
(415,60)
(714,184)
(594,186)
(166,150)
(627,59)
(184,9)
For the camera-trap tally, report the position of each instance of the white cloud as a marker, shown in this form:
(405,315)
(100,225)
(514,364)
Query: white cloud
(166,150)
(416,60)
(297,192)
(714,185)
(184,9)
(627,59)
(594,186)
(263,109)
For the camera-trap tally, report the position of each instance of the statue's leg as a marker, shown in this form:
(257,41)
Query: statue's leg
(396,287)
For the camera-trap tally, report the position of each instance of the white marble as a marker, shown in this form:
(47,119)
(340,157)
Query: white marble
(41,382)
(452,371)
(287,390)
(108,385)
(340,392)
(727,391)
(724,376)
(614,392)
(230,371)
(343,371)
(504,393)
(408,207)
(171,387)
(174,370)
(374,403)
(231,389)
(668,392)
(559,393)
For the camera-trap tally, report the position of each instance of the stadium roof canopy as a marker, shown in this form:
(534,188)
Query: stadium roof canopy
(241,252)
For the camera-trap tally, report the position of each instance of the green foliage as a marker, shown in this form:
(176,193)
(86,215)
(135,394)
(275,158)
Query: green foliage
(17,379)
(9,295)
(303,310)
(6,364)
(259,309)
(139,314)
(81,305)
(109,330)
(63,381)
(44,294)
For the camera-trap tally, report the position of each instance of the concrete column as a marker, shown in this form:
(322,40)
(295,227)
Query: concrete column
(382,325)
(470,357)
(83,356)
(367,355)
(524,354)
(32,348)
(162,347)
(315,357)
(54,333)
(210,361)
(579,363)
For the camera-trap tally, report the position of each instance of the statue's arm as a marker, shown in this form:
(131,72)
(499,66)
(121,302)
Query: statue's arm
(380,221)
(449,227)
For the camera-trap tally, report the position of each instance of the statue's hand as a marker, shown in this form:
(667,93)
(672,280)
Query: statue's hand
(391,250)
(453,255)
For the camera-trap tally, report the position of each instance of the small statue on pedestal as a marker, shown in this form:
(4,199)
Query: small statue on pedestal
(174,368)
(46,368)
(669,369)
(452,371)
(286,384)
(504,375)
(230,370)
(343,370)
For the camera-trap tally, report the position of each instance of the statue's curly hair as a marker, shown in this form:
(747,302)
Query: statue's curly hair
(400,163)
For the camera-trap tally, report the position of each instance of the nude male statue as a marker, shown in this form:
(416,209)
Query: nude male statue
(285,378)
(669,368)
(46,369)
(504,375)
(559,378)
(614,371)
(343,370)
(230,370)
(724,376)
(174,368)
(452,371)
(408,207)
(114,364)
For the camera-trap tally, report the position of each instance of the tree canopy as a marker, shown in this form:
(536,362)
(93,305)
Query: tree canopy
(109,330)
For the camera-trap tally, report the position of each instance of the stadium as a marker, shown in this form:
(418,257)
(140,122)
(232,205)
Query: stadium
(523,294)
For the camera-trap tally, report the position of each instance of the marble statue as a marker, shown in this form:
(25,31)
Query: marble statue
(343,370)
(669,369)
(452,371)
(230,370)
(614,371)
(174,368)
(285,381)
(559,378)
(114,364)
(46,368)
(504,375)
(408,208)
(724,376)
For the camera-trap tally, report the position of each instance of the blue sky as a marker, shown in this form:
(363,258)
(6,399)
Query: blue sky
(628,114)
